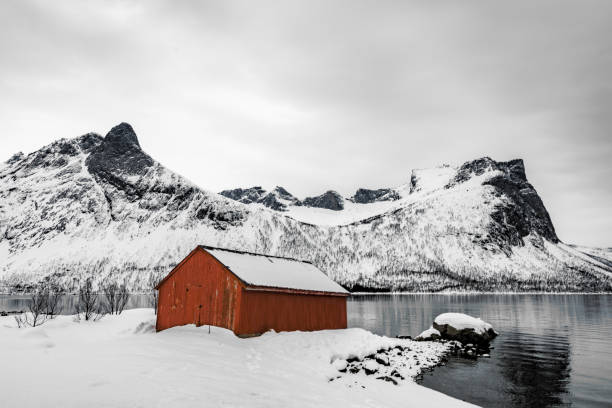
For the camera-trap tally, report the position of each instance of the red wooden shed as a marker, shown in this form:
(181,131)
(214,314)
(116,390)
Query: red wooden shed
(249,293)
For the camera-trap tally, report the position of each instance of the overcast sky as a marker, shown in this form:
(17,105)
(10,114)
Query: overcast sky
(326,95)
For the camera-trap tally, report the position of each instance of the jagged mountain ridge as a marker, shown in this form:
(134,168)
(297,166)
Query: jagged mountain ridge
(280,199)
(100,206)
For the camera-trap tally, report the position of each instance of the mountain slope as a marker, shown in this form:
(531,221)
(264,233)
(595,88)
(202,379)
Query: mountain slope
(102,207)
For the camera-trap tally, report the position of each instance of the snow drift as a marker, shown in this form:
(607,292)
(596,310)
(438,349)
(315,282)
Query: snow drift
(120,361)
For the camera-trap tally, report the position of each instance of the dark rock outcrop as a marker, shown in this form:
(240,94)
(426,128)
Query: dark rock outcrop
(526,213)
(277,199)
(15,158)
(118,154)
(330,200)
(366,196)
(89,141)
(119,157)
(245,195)
(523,211)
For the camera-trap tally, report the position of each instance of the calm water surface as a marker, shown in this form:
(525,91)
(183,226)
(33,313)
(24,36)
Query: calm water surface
(553,350)
(15,303)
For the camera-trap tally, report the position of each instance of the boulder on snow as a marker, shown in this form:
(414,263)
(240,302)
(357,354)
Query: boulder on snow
(429,334)
(370,367)
(382,358)
(340,365)
(464,328)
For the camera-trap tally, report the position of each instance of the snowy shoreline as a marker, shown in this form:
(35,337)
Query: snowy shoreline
(9,293)
(471,293)
(121,361)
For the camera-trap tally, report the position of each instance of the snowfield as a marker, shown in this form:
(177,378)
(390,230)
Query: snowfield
(120,361)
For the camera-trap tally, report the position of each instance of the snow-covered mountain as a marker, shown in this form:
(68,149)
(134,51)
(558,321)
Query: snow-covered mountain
(102,207)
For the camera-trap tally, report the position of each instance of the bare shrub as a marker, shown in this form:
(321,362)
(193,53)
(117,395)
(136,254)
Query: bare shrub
(117,297)
(44,305)
(53,307)
(38,307)
(19,319)
(88,306)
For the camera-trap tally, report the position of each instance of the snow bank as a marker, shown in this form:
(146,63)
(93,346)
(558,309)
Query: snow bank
(462,321)
(120,361)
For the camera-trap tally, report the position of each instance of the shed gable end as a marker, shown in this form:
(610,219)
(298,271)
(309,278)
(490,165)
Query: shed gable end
(199,291)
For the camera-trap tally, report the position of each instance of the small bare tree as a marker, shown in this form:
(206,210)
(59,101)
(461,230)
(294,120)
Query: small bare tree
(88,306)
(44,305)
(117,297)
(53,302)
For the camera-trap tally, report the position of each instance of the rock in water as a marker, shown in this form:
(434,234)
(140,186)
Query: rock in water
(429,334)
(464,328)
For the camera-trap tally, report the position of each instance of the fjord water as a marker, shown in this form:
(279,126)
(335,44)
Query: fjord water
(553,350)
(67,303)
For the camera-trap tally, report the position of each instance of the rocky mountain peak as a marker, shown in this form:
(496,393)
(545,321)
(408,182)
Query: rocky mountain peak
(122,137)
(15,158)
(282,191)
(522,212)
(367,196)
(513,169)
(119,153)
(278,199)
(330,200)
(245,195)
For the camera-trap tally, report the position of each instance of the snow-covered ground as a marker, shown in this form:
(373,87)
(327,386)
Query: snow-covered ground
(120,361)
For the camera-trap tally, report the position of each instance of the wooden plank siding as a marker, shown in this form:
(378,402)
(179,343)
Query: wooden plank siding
(200,290)
(263,310)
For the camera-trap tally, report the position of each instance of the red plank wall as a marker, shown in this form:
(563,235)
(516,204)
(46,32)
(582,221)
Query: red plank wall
(262,311)
(200,291)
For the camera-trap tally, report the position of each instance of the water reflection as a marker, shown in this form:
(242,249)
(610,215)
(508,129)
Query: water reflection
(552,350)
(536,369)
(15,303)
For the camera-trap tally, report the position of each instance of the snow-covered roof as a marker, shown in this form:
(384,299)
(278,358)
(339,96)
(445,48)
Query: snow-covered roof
(275,272)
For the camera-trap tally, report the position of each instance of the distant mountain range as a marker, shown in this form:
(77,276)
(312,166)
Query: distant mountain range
(102,207)
(280,199)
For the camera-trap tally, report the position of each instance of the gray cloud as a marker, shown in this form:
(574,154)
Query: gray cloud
(316,95)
